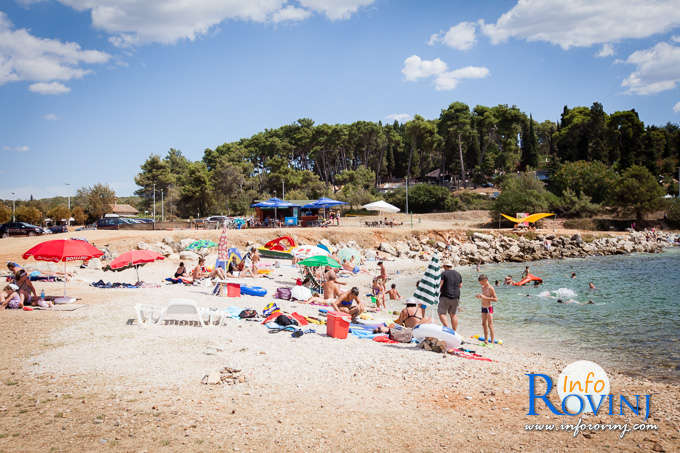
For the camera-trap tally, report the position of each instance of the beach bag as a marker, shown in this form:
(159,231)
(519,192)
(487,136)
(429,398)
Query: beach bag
(284,320)
(247,313)
(283,293)
(403,335)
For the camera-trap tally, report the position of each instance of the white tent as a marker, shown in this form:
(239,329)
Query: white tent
(381,206)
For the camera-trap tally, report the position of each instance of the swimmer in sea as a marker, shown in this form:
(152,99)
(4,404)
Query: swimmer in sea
(591,285)
(573,275)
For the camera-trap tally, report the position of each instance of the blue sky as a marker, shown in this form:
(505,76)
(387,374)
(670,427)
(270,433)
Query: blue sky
(90,88)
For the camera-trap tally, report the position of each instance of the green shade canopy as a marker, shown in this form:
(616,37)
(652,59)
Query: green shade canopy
(201,244)
(318,261)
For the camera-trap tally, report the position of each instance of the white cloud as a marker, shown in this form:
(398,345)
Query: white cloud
(290,14)
(416,68)
(676,107)
(657,69)
(136,22)
(335,9)
(582,23)
(51,117)
(24,57)
(675,38)
(461,36)
(403,117)
(49,88)
(18,149)
(606,51)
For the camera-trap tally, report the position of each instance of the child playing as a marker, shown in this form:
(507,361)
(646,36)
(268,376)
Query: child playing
(11,298)
(487,296)
(394,294)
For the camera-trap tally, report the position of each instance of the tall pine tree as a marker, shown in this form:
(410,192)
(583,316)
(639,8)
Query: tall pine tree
(529,146)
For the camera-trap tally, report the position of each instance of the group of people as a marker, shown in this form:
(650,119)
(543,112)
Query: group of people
(20,291)
(247,267)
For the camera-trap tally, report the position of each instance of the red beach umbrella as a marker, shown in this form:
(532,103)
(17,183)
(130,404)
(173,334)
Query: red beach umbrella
(63,250)
(135,258)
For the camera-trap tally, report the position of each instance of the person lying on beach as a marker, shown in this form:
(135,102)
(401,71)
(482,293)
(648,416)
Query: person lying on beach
(412,315)
(330,292)
(378,293)
(350,266)
(11,298)
(181,271)
(200,271)
(488,297)
(394,294)
(349,302)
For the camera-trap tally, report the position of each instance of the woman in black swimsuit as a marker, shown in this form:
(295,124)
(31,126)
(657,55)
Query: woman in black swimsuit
(413,314)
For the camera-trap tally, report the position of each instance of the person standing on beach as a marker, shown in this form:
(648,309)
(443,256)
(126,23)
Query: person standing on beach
(487,296)
(449,296)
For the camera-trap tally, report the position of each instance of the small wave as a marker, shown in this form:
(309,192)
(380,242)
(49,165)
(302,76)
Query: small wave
(562,293)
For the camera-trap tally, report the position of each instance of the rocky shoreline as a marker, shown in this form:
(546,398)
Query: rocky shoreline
(482,248)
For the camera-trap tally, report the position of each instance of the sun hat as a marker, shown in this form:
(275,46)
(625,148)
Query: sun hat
(447,263)
(411,300)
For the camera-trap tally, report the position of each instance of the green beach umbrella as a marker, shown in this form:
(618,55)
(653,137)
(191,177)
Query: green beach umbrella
(427,289)
(201,244)
(318,261)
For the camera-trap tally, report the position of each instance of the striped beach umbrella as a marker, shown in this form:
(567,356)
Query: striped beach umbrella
(427,289)
(222,246)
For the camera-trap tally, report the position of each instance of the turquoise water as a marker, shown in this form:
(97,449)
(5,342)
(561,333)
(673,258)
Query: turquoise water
(633,324)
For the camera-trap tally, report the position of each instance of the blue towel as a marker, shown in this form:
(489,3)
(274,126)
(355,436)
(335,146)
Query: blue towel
(364,333)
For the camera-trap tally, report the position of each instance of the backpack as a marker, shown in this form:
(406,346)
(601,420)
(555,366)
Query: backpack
(283,293)
(402,335)
(285,320)
(247,313)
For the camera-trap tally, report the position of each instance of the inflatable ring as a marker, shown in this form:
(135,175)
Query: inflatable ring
(253,291)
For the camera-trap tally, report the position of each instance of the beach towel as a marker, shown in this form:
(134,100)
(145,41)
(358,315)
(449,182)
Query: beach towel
(383,339)
(367,334)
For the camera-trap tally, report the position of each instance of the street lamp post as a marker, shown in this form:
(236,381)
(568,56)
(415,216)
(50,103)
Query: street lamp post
(68,218)
(154,202)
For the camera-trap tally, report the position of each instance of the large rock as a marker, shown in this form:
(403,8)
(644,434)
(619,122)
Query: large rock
(482,237)
(142,246)
(184,243)
(165,250)
(188,255)
(440,246)
(388,248)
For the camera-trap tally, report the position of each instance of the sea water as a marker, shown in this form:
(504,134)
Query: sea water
(633,323)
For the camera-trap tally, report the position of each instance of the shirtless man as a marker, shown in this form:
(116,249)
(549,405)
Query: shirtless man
(394,294)
(330,291)
(349,302)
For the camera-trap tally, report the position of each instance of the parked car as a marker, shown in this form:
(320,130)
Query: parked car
(58,229)
(217,218)
(20,229)
(111,223)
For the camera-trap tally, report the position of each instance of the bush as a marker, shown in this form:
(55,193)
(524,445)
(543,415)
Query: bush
(470,201)
(424,198)
(572,205)
(5,213)
(29,214)
(580,224)
(673,213)
(637,191)
(523,193)
(593,179)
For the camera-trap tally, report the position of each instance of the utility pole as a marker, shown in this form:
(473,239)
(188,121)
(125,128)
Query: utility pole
(406,194)
(68,220)
(283,190)
(162,207)
(154,202)
(14,219)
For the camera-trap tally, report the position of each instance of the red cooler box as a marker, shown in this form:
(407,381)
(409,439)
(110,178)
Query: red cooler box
(233,290)
(337,324)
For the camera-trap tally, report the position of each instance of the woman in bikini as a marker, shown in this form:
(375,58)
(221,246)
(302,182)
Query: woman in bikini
(411,316)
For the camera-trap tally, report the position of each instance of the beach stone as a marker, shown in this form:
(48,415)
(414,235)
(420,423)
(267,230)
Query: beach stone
(188,255)
(142,246)
(388,248)
(482,237)
(165,250)
(440,246)
(184,243)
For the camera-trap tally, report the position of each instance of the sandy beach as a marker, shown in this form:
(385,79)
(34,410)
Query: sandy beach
(86,380)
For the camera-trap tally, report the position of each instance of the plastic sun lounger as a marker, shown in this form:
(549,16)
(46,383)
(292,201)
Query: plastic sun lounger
(183,311)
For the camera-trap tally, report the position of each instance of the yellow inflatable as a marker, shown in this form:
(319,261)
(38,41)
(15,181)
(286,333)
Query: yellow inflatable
(531,219)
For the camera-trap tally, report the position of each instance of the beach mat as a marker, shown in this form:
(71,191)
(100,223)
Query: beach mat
(64,307)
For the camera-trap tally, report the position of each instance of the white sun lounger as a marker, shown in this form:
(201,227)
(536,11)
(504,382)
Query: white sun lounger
(183,312)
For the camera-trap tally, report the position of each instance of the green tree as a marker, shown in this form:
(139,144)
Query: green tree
(593,179)
(58,213)
(79,215)
(529,148)
(523,193)
(155,173)
(673,213)
(97,200)
(455,129)
(625,136)
(637,191)
(577,205)
(5,213)
(196,193)
(29,214)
